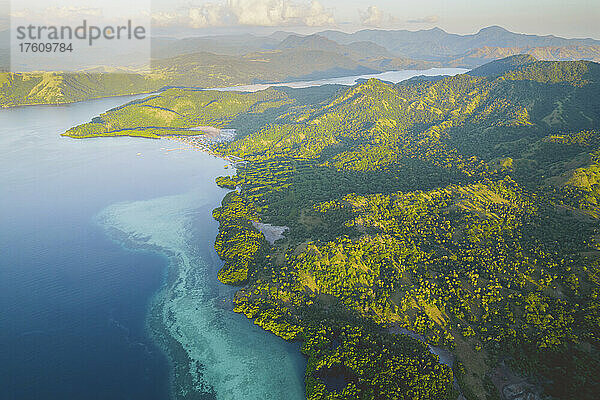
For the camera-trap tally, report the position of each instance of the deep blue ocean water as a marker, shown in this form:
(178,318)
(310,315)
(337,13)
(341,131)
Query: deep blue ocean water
(72,302)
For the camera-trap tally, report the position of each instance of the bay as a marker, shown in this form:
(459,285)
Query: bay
(107,267)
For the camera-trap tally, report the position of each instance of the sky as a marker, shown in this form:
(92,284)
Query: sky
(568,18)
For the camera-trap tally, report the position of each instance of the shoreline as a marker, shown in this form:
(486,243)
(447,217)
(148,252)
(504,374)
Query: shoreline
(200,143)
(66,103)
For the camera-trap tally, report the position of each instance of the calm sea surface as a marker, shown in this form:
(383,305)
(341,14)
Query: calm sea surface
(73,302)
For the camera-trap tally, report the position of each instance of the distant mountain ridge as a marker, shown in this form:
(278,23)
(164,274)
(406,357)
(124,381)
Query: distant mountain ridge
(219,61)
(438,45)
(317,42)
(367,53)
(434,46)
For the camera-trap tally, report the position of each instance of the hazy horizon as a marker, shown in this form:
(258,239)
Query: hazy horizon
(303,30)
(578,19)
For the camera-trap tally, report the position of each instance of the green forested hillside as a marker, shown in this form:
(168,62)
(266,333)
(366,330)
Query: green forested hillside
(177,110)
(57,88)
(198,69)
(482,55)
(190,70)
(464,209)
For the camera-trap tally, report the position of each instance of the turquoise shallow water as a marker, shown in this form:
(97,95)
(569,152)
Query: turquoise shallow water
(233,358)
(74,296)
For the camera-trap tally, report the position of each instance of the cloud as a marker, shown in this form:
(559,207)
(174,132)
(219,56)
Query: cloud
(376,18)
(208,15)
(430,19)
(4,15)
(70,12)
(249,13)
(373,16)
(61,13)
(195,17)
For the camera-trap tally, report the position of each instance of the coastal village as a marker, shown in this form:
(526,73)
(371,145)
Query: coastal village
(207,139)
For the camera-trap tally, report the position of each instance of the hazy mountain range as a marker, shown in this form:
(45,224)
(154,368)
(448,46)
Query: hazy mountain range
(432,45)
(437,45)
(217,61)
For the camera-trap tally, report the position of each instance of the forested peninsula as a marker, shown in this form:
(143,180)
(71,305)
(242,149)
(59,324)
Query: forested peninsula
(464,209)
